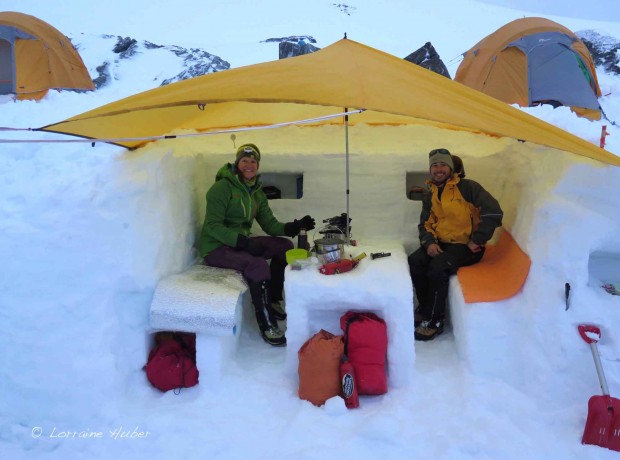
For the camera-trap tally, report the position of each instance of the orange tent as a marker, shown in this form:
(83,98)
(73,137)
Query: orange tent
(35,57)
(531,61)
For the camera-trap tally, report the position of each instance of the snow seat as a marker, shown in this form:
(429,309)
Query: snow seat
(209,302)
(483,303)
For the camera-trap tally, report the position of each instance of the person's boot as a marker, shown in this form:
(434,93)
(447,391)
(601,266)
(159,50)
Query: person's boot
(428,330)
(278,310)
(277,267)
(267,323)
(417,317)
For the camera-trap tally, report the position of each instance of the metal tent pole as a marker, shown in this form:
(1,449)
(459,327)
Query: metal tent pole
(346,131)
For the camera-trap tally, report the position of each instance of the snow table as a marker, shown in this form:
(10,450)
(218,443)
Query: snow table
(209,302)
(382,286)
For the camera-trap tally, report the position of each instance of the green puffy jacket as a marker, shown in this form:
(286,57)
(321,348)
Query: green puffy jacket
(232,207)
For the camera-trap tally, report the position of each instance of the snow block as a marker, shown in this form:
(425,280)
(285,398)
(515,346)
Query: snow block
(201,299)
(382,286)
(208,301)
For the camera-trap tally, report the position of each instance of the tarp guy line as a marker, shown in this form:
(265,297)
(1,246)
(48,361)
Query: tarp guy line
(171,136)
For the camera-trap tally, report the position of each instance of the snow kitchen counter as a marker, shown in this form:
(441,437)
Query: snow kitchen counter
(315,301)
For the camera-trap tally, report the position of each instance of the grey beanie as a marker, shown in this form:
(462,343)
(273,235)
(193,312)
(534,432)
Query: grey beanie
(440,156)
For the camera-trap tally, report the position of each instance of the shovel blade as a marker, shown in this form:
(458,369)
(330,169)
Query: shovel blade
(603,422)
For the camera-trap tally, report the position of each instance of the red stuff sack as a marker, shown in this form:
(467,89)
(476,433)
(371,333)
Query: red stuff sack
(172,362)
(367,350)
(319,367)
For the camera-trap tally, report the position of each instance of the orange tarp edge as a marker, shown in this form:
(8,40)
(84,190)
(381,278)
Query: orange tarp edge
(343,75)
(499,275)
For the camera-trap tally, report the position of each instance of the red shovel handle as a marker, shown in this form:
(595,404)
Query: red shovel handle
(589,333)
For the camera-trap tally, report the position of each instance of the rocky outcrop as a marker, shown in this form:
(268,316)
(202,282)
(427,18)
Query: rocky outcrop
(125,47)
(288,49)
(104,75)
(294,45)
(195,61)
(604,50)
(427,57)
(344,8)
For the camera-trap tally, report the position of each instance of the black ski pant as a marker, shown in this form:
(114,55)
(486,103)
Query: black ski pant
(431,276)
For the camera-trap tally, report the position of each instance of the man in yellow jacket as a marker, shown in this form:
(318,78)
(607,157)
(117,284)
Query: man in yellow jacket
(458,217)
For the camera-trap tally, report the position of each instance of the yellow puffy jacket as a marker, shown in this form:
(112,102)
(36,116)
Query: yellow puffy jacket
(460,211)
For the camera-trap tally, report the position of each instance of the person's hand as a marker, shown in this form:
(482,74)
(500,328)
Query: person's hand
(433,250)
(473,247)
(254,247)
(306,222)
(292,228)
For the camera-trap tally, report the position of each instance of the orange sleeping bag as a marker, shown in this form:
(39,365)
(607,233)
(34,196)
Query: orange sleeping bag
(319,367)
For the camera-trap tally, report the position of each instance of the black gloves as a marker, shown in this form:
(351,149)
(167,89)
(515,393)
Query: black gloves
(292,228)
(306,222)
(256,248)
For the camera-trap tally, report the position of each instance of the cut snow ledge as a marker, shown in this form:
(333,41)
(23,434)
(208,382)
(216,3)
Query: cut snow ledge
(604,269)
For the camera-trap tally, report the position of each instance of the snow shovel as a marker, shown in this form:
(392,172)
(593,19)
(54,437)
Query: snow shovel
(603,422)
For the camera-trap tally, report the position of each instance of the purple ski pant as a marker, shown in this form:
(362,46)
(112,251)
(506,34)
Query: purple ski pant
(256,269)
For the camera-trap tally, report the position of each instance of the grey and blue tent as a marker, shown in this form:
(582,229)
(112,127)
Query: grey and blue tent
(534,61)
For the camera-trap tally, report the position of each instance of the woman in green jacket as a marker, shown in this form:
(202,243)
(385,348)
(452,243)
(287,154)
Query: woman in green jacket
(234,202)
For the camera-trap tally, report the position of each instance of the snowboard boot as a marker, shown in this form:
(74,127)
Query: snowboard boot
(267,323)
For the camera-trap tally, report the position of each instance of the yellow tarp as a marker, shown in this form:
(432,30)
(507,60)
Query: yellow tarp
(346,74)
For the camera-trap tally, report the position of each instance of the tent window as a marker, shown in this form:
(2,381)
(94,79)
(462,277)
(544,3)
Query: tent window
(283,185)
(415,184)
(7,84)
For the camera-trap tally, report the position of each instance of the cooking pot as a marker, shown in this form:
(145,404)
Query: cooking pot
(329,249)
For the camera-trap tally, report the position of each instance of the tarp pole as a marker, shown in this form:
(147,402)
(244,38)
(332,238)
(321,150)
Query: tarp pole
(346,134)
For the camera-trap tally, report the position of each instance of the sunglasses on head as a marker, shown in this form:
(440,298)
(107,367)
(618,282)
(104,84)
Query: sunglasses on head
(440,151)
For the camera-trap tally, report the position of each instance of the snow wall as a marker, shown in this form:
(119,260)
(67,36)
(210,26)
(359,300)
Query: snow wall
(88,232)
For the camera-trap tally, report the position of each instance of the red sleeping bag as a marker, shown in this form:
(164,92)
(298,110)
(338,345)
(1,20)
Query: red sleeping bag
(367,350)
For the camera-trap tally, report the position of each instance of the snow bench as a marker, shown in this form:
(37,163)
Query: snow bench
(209,302)
(483,301)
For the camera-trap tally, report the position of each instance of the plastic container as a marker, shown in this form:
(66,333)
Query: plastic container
(295,254)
